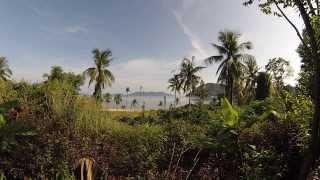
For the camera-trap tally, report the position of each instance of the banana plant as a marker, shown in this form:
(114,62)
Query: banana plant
(230,114)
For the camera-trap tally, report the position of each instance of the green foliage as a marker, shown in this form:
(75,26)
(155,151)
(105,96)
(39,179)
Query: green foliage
(56,128)
(230,115)
(100,74)
(107,97)
(5,71)
(2,121)
(117,99)
(231,54)
(57,74)
(279,69)
(264,86)
(6,92)
(189,78)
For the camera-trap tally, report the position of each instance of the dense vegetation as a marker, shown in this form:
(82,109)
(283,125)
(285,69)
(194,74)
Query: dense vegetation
(47,128)
(261,129)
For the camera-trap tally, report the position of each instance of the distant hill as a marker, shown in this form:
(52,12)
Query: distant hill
(215,89)
(149,93)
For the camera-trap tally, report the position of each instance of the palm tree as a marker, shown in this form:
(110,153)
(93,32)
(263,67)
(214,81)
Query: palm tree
(230,57)
(175,86)
(176,101)
(251,72)
(117,99)
(127,91)
(189,76)
(5,71)
(134,103)
(246,83)
(264,86)
(160,104)
(100,74)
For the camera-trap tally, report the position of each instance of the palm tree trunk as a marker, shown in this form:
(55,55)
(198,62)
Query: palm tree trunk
(231,91)
(175,98)
(189,106)
(97,91)
(127,100)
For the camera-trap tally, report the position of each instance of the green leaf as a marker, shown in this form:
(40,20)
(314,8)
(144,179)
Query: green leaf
(2,121)
(230,115)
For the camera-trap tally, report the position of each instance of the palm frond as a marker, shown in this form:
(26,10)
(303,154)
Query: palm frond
(245,46)
(220,49)
(213,59)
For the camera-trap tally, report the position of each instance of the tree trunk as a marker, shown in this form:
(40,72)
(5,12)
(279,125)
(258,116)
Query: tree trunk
(231,91)
(127,100)
(313,153)
(175,98)
(189,107)
(97,91)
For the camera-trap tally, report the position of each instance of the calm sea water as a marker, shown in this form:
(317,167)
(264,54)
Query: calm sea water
(151,102)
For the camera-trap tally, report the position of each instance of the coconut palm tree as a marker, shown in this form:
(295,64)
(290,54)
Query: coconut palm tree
(134,103)
(189,76)
(245,85)
(230,58)
(127,91)
(5,72)
(160,104)
(250,74)
(117,99)
(100,74)
(175,86)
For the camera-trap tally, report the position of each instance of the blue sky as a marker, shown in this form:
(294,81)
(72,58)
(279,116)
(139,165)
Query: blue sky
(148,37)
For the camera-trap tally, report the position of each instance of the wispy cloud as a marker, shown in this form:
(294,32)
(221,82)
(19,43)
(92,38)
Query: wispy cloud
(197,50)
(74,29)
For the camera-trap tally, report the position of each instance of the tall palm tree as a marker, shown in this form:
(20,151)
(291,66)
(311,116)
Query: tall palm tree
(99,73)
(189,76)
(5,71)
(230,58)
(134,103)
(175,86)
(250,74)
(127,91)
(245,85)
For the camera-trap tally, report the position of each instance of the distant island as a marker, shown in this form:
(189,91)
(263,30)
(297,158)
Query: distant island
(149,93)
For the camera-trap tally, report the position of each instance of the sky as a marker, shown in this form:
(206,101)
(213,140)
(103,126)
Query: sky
(148,38)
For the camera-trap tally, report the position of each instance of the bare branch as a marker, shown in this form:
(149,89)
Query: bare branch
(308,26)
(195,161)
(292,24)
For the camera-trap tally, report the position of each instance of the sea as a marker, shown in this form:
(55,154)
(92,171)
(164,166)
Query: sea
(149,102)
